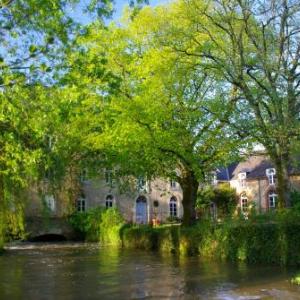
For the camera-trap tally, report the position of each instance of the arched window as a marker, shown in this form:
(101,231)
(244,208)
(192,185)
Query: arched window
(109,201)
(173,207)
(244,203)
(272,199)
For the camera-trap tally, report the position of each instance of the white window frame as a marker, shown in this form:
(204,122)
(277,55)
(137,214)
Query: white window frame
(242,179)
(173,208)
(243,199)
(272,195)
(270,173)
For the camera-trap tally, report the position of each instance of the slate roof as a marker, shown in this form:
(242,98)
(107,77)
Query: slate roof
(255,167)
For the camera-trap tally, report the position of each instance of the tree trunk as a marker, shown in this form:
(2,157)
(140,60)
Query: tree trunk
(189,185)
(283,183)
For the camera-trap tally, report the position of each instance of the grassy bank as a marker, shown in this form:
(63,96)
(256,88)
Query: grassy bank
(253,243)
(264,239)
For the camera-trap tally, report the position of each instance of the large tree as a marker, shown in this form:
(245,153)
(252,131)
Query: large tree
(254,45)
(34,35)
(157,119)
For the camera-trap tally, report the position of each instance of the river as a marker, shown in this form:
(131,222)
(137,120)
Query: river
(85,271)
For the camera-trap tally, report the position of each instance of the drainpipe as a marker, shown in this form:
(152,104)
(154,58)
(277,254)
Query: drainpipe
(259,195)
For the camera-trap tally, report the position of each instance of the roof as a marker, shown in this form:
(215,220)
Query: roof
(255,166)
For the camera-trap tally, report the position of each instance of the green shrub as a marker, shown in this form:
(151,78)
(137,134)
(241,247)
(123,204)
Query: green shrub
(296,279)
(98,225)
(295,200)
(1,231)
(222,195)
(269,239)
(110,227)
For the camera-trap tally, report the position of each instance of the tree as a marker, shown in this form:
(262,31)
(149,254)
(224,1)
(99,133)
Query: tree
(254,46)
(34,36)
(156,121)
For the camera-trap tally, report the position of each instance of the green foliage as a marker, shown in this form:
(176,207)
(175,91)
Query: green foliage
(2,228)
(296,279)
(110,227)
(295,200)
(98,224)
(252,241)
(139,237)
(141,97)
(222,195)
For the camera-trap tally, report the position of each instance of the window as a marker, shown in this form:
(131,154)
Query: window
(141,184)
(213,210)
(242,179)
(270,174)
(83,175)
(109,177)
(173,207)
(214,180)
(272,200)
(80,204)
(173,184)
(50,202)
(109,201)
(244,203)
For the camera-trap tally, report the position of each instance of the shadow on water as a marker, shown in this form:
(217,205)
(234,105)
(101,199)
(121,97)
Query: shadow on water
(48,238)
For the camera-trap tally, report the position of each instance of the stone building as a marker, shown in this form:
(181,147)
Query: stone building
(255,182)
(141,201)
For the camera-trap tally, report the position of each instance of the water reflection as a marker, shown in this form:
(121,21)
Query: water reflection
(87,272)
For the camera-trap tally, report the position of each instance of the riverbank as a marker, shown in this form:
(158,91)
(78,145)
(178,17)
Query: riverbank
(272,239)
(251,243)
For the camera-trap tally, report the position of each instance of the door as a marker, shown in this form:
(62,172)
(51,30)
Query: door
(141,216)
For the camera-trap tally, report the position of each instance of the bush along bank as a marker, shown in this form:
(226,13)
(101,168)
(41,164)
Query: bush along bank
(98,225)
(252,243)
(264,240)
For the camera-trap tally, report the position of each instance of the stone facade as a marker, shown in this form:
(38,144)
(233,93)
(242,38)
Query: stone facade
(157,199)
(142,201)
(255,182)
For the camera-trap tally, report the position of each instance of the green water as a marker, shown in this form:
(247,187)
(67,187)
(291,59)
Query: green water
(77,271)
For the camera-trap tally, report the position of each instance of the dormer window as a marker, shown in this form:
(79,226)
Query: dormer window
(271,175)
(242,179)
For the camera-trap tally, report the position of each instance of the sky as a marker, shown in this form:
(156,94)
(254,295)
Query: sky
(120,4)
